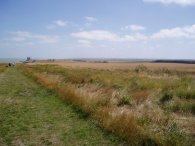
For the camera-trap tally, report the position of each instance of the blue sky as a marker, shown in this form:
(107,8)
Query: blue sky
(97,29)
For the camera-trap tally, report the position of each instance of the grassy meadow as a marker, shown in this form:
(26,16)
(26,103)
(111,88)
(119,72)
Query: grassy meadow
(141,105)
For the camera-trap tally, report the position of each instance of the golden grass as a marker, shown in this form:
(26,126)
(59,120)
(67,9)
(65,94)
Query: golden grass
(141,96)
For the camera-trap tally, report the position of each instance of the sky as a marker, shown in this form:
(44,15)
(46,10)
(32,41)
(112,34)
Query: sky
(144,29)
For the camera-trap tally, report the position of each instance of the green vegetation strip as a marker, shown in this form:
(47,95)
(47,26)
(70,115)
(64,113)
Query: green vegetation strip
(30,115)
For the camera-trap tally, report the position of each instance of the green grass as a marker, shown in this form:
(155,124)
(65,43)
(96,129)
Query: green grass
(30,115)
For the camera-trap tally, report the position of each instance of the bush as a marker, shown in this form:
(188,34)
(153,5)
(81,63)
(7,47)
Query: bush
(167,96)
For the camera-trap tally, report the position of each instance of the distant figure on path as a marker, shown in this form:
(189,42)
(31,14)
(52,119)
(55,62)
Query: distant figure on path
(11,64)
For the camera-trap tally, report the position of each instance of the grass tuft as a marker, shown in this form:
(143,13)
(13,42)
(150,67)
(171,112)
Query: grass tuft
(125,100)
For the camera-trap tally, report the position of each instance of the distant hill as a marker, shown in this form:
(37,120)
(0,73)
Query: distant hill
(175,61)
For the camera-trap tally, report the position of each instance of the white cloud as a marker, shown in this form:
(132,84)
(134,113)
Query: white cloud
(179,2)
(22,36)
(90,19)
(57,23)
(103,35)
(177,32)
(134,27)
(135,37)
(60,23)
(98,35)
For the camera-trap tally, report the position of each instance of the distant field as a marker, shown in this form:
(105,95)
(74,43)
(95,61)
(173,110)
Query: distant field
(122,65)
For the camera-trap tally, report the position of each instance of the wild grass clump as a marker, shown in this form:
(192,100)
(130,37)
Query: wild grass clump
(85,103)
(141,96)
(165,70)
(141,68)
(186,94)
(182,107)
(174,136)
(124,124)
(125,100)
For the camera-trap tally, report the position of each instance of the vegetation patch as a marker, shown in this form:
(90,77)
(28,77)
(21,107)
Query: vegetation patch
(125,101)
(166,97)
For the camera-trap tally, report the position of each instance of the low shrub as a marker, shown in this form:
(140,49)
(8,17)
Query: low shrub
(167,96)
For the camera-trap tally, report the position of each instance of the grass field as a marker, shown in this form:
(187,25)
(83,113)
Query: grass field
(144,105)
(33,116)
(121,65)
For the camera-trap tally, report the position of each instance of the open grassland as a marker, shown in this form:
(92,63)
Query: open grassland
(142,105)
(33,116)
(121,65)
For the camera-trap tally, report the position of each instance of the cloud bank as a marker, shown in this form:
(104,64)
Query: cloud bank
(186,32)
(178,2)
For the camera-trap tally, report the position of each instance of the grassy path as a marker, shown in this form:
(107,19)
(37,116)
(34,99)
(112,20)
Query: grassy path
(30,115)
